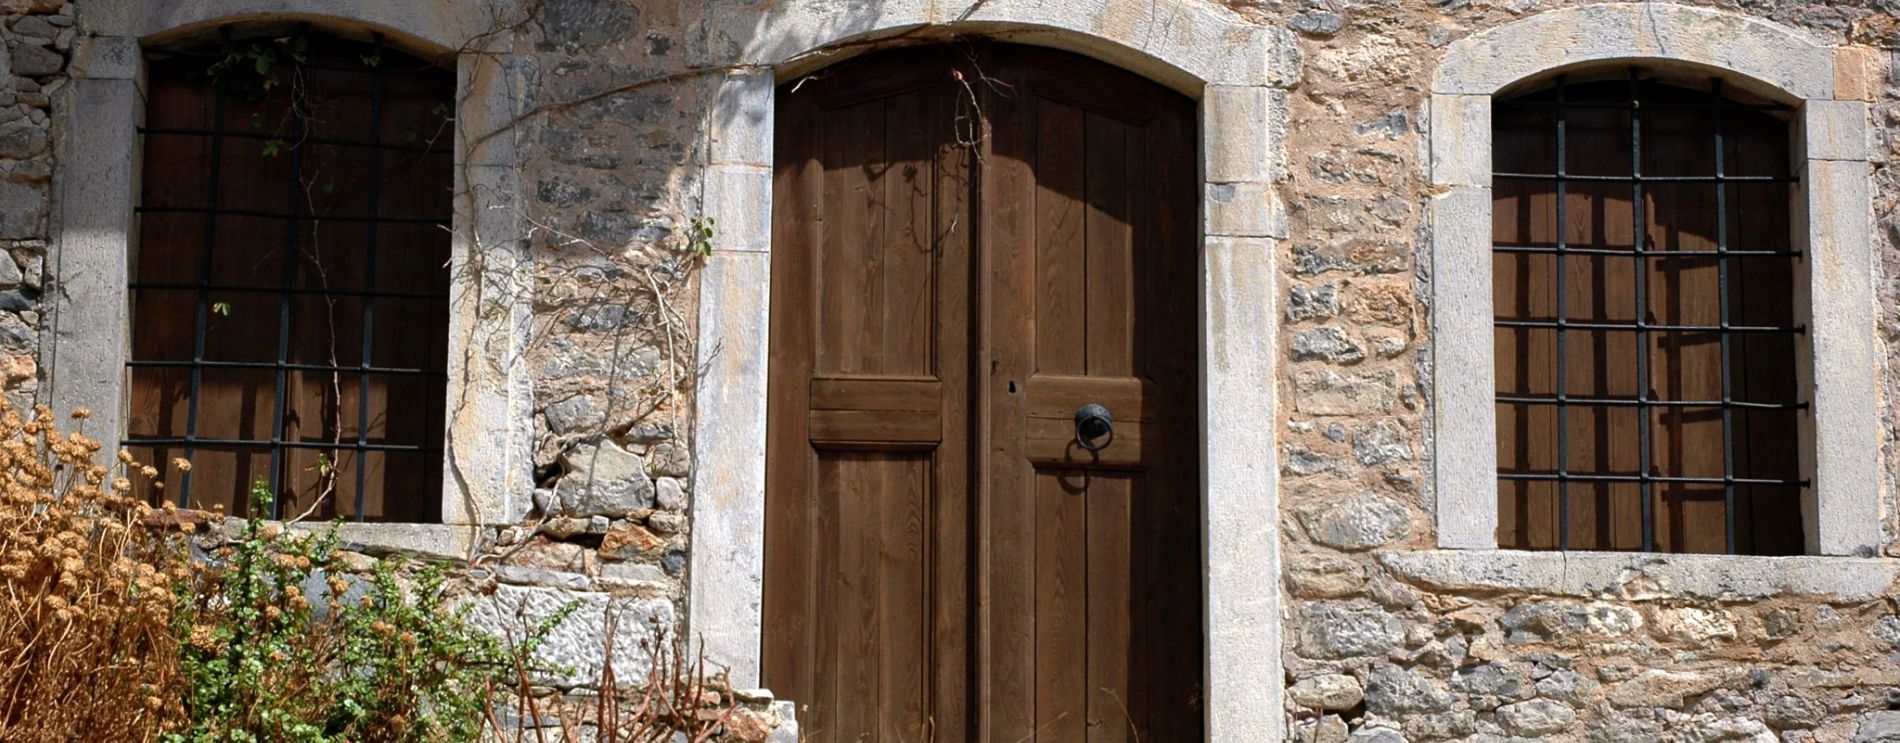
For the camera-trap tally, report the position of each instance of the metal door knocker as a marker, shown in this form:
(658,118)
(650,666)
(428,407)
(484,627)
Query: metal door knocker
(1094,427)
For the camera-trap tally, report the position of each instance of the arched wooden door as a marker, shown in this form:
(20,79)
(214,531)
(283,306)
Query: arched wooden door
(970,242)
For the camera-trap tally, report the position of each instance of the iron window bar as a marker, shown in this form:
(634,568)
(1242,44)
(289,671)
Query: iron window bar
(1644,400)
(1644,327)
(1645,480)
(395,371)
(278,443)
(293,216)
(339,142)
(1628,253)
(1629,402)
(1626,105)
(202,309)
(290,214)
(1639,178)
(267,289)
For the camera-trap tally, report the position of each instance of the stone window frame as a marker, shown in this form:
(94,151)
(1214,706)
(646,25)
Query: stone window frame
(1239,73)
(1831,209)
(487,466)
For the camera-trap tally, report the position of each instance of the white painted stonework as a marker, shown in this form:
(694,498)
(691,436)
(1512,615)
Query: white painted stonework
(1831,208)
(1239,72)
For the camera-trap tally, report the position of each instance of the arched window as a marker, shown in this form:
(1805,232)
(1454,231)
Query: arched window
(1647,323)
(290,280)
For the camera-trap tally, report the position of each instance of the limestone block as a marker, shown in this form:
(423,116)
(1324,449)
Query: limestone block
(1332,691)
(1361,522)
(1536,717)
(1835,130)
(603,479)
(1327,392)
(1858,73)
(1335,630)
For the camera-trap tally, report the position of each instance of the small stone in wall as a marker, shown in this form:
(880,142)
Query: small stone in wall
(1700,626)
(1327,392)
(670,459)
(1332,691)
(668,494)
(1324,576)
(1312,303)
(1781,623)
(666,523)
(1660,688)
(1376,735)
(631,542)
(1384,442)
(1334,630)
(1536,717)
(603,479)
(1361,522)
(35,60)
(1326,344)
(1393,691)
(1317,23)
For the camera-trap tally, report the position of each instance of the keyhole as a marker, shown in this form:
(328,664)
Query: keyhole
(1012,387)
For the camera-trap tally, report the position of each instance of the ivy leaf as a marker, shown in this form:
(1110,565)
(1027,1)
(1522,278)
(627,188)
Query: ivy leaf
(272,147)
(221,308)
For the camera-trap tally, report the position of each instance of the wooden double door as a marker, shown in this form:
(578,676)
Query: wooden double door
(970,243)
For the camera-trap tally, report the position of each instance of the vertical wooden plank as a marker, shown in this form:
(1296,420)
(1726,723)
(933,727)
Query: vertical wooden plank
(861,496)
(1109,304)
(1110,567)
(1062,619)
(901,585)
(1061,268)
(1007,599)
(952,226)
(852,142)
(907,239)
(788,653)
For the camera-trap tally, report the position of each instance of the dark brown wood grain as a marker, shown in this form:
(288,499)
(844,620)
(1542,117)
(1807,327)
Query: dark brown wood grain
(944,562)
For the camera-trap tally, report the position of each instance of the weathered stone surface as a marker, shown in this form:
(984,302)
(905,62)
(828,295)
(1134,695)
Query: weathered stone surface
(1312,303)
(631,542)
(1384,442)
(1363,521)
(1317,23)
(1327,392)
(1694,625)
(1332,691)
(573,652)
(1557,621)
(1335,630)
(668,494)
(22,210)
(1324,576)
(1326,344)
(1376,735)
(1536,717)
(603,479)
(1879,727)
(1393,691)
(1662,688)
(35,60)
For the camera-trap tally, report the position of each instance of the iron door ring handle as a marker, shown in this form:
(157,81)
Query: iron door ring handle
(1094,427)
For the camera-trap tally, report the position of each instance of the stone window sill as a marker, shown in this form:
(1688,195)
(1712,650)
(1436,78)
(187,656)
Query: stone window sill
(446,542)
(1643,576)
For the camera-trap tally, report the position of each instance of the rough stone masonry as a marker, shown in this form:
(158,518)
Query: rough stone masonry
(1385,638)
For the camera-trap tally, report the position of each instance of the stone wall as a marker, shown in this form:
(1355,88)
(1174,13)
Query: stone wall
(1386,639)
(39,35)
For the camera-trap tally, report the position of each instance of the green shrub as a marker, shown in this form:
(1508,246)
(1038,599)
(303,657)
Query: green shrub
(277,645)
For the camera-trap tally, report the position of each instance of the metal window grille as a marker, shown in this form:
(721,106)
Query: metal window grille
(1646,401)
(300,133)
